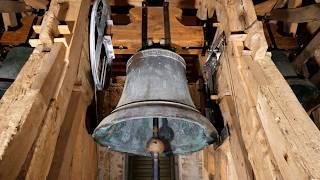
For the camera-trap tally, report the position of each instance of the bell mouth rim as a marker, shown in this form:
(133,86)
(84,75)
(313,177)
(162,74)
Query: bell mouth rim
(156,52)
(210,134)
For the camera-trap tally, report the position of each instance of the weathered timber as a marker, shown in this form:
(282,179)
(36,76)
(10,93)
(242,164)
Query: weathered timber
(281,140)
(7,6)
(33,108)
(37,4)
(182,36)
(297,15)
(190,166)
(50,131)
(237,148)
(224,163)
(24,105)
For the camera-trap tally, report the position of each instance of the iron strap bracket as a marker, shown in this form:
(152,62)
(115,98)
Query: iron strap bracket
(166,44)
(214,53)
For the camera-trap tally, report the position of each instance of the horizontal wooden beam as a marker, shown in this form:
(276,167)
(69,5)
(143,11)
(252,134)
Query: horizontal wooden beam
(183,38)
(173,3)
(37,4)
(62,29)
(297,15)
(7,6)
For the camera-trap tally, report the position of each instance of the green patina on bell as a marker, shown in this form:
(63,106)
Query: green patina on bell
(156,87)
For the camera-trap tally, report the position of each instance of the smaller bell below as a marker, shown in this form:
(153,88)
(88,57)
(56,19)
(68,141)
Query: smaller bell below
(156,87)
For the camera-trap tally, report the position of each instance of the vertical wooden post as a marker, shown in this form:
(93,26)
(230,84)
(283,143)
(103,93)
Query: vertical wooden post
(9,19)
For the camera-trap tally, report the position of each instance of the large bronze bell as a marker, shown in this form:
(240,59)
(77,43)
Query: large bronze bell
(156,87)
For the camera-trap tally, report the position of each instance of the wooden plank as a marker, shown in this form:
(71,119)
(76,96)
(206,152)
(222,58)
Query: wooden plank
(84,159)
(49,134)
(61,163)
(190,166)
(261,135)
(224,163)
(265,7)
(297,15)
(269,158)
(37,4)
(7,6)
(239,154)
(301,135)
(208,169)
(111,165)
(190,4)
(73,125)
(23,107)
(63,29)
(244,10)
(37,42)
(182,36)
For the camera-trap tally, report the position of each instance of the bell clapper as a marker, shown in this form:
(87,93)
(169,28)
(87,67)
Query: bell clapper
(155,147)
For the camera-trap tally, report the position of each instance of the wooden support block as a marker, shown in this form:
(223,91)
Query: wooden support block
(265,7)
(256,40)
(49,28)
(205,9)
(62,29)
(238,37)
(37,42)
